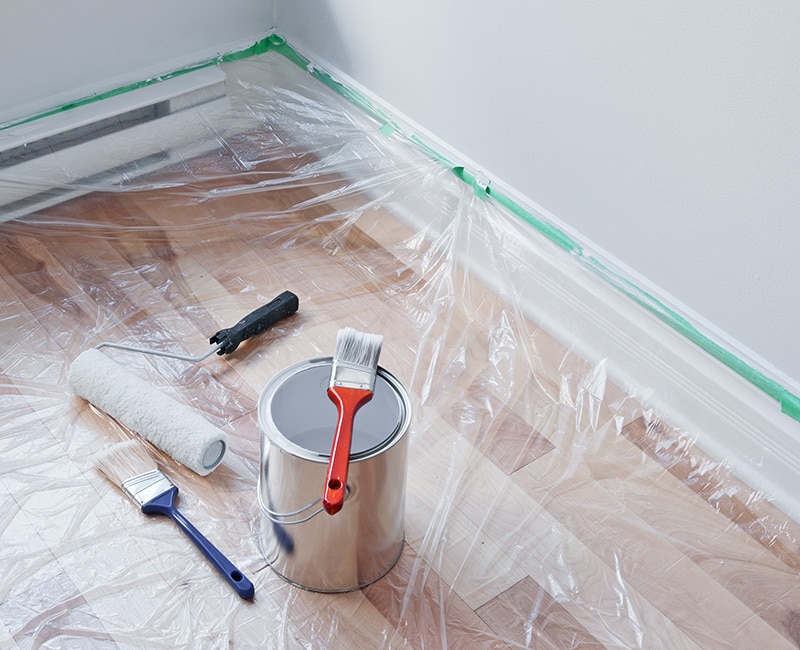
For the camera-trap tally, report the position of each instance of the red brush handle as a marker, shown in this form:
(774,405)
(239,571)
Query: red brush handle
(348,401)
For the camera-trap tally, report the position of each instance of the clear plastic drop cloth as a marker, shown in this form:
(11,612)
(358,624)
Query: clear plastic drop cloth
(546,506)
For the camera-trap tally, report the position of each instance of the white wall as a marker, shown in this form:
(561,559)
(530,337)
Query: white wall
(54,52)
(667,134)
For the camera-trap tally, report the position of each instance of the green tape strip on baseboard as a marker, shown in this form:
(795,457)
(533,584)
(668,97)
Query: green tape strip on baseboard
(789,402)
(261,47)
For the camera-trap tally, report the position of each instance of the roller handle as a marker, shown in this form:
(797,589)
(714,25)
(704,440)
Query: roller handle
(347,401)
(256,322)
(164,504)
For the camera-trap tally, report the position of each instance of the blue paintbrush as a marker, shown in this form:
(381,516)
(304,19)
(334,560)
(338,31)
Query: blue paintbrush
(128,465)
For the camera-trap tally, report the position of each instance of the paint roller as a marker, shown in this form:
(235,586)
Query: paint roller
(171,426)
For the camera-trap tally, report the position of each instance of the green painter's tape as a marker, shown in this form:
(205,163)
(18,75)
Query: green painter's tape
(96,98)
(432,153)
(789,403)
(280,46)
(480,190)
(260,47)
(561,239)
(388,129)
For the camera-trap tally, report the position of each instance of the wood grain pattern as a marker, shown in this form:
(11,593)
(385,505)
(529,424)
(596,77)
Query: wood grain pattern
(526,612)
(543,509)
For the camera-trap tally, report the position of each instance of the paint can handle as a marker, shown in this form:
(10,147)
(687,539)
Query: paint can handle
(299,516)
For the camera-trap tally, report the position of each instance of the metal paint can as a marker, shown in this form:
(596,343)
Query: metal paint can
(299,540)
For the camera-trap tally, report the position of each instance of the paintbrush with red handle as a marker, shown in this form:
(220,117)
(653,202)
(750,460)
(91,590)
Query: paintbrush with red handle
(355,366)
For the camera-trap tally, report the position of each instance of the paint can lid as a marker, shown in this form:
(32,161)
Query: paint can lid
(297,415)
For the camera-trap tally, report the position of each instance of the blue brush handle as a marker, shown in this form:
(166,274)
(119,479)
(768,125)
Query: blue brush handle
(164,504)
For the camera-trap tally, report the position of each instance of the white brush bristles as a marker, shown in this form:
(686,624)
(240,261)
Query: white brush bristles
(358,348)
(355,359)
(123,461)
(172,427)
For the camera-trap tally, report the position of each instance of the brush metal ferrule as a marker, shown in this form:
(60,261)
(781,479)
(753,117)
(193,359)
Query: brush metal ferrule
(352,375)
(146,487)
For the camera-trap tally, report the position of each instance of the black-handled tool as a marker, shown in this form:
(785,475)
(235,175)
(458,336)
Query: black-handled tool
(227,340)
(256,322)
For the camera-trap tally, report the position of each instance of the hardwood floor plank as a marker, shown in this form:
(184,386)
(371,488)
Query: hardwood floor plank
(539,544)
(638,487)
(642,558)
(720,488)
(436,617)
(528,615)
(505,437)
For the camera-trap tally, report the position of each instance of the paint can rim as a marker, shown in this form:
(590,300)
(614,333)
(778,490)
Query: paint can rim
(268,426)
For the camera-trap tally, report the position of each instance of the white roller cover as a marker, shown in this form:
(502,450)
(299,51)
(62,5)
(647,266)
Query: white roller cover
(172,427)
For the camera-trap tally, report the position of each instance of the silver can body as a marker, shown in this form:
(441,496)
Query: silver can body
(300,541)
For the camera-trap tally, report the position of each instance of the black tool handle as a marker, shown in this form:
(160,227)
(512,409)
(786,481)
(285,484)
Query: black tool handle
(256,322)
